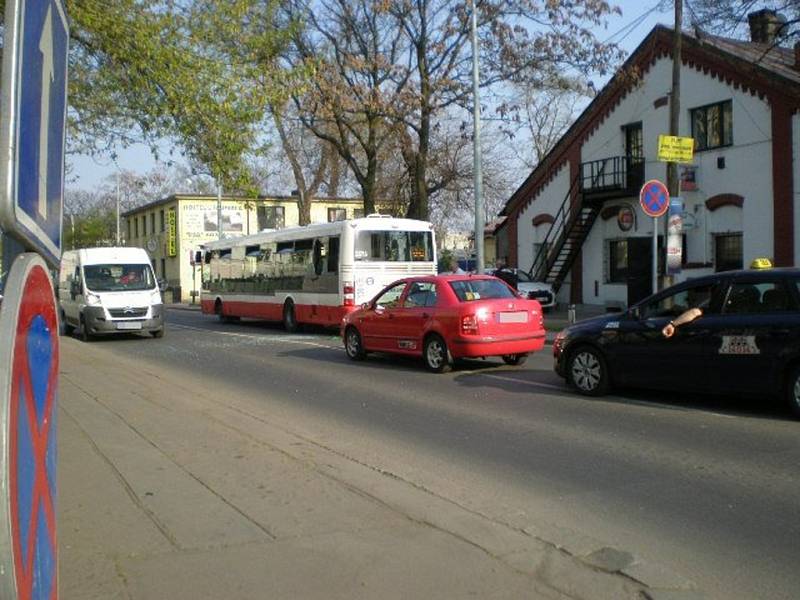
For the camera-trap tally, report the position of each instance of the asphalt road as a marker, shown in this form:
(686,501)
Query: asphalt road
(705,488)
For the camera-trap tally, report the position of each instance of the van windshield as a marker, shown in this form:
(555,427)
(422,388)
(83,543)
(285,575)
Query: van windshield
(118,277)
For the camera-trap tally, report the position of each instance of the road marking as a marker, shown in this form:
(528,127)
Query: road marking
(252,336)
(523,381)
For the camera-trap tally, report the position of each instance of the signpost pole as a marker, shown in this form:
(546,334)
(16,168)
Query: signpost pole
(655,255)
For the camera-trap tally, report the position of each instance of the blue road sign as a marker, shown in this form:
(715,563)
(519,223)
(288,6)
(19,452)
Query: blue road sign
(654,198)
(33,124)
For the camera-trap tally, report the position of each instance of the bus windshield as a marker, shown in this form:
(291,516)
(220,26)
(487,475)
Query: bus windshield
(394,246)
(118,277)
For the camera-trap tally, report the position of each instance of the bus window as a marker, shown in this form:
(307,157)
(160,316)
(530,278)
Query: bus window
(395,246)
(333,254)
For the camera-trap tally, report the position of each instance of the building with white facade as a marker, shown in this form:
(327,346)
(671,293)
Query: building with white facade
(739,100)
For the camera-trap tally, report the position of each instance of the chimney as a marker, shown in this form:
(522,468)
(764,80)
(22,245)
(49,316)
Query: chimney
(766,26)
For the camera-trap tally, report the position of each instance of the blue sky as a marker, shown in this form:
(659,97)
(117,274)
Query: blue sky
(638,18)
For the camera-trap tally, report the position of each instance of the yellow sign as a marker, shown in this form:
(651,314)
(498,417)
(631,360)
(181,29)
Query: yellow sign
(675,149)
(172,233)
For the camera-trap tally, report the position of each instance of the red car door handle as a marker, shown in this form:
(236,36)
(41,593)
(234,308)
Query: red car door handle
(425,315)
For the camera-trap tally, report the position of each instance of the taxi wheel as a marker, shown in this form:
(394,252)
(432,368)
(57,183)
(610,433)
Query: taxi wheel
(587,371)
(437,356)
(793,391)
(352,344)
(514,359)
(289,317)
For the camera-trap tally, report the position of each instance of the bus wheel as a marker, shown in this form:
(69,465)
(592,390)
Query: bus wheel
(289,317)
(353,345)
(218,309)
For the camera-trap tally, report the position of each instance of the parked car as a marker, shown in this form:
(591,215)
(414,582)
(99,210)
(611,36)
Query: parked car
(747,340)
(536,290)
(446,317)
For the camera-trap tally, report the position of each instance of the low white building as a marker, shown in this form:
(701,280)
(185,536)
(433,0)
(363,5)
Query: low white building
(739,100)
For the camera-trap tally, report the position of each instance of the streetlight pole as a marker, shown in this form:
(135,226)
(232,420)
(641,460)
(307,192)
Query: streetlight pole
(118,236)
(219,210)
(476,146)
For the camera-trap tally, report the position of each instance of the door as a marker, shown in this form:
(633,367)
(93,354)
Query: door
(378,327)
(757,325)
(411,320)
(644,357)
(640,269)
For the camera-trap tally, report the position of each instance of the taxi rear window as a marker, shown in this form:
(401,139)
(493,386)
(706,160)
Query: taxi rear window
(481,289)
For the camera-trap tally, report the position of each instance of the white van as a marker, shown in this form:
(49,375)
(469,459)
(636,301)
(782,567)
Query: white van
(104,291)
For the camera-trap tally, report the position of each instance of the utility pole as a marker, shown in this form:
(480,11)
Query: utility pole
(476,145)
(673,184)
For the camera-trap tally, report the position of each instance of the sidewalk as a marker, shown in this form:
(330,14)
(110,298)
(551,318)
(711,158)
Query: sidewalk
(173,487)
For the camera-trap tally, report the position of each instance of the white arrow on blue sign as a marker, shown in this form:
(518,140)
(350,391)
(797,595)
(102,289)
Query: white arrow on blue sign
(33,124)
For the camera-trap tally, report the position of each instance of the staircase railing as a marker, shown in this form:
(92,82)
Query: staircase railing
(549,249)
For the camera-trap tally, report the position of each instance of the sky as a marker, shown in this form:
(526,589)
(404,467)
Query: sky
(638,18)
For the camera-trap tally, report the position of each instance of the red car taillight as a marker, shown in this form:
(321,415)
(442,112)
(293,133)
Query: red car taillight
(348,294)
(469,324)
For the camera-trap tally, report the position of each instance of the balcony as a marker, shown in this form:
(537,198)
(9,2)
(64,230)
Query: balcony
(611,178)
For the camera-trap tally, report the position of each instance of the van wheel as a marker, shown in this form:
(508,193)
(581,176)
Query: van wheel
(289,317)
(437,356)
(84,331)
(352,344)
(793,391)
(64,327)
(514,359)
(587,371)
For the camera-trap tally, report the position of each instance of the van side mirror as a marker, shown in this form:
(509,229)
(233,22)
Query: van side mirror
(74,288)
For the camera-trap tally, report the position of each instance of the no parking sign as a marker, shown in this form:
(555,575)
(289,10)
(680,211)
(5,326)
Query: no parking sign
(28,394)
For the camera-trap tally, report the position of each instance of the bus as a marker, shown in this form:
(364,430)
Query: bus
(314,274)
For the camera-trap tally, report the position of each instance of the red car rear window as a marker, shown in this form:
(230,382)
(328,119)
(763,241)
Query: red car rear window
(481,289)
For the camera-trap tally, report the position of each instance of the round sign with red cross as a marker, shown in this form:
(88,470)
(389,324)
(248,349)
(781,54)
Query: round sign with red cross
(654,198)
(28,393)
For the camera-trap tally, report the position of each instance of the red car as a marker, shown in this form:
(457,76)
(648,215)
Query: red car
(446,317)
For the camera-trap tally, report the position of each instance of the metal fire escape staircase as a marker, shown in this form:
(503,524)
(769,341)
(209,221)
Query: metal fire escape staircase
(596,182)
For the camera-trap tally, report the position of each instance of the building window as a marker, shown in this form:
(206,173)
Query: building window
(634,142)
(712,125)
(728,252)
(270,217)
(358,213)
(336,214)
(161,219)
(144,225)
(163,268)
(136,226)
(128,221)
(152,222)
(618,261)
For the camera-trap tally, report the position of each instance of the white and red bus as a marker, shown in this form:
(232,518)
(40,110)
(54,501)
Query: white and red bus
(313,274)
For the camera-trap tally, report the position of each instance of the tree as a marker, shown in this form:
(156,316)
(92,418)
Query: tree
(142,71)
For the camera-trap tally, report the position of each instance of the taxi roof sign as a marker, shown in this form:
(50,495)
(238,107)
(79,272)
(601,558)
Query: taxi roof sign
(761,263)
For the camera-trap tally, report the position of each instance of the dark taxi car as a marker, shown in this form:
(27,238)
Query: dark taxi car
(446,317)
(746,342)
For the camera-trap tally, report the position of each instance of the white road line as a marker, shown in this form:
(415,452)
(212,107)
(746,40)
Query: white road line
(251,336)
(533,383)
